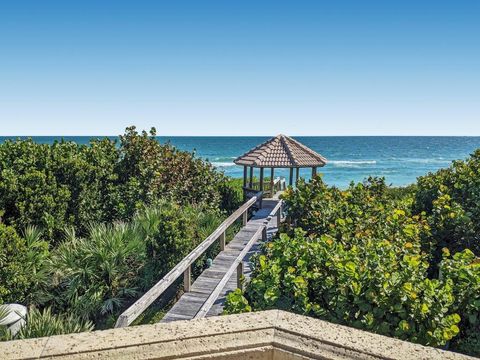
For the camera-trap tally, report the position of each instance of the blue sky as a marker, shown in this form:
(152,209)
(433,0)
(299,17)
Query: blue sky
(240,67)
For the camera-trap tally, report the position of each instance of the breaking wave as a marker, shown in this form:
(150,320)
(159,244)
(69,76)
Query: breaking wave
(222,164)
(351,163)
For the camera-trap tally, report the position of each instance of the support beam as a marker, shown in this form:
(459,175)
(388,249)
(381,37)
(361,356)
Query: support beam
(272,174)
(290,180)
(261,178)
(279,217)
(244,176)
(250,183)
(240,275)
(314,172)
(187,279)
(222,241)
(297,175)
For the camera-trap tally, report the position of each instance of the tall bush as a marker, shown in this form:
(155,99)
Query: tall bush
(66,184)
(451,198)
(356,257)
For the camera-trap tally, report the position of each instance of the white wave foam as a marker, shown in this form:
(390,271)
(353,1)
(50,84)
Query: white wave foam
(428,161)
(351,163)
(223,164)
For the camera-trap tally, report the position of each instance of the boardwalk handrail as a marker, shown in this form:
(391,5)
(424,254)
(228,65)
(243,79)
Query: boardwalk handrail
(183,267)
(238,262)
(218,289)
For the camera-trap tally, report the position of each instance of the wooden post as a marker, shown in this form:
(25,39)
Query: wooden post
(251,178)
(314,172)
(245,217)
(264,234)
(222,241)
(272,190)
(244,176)
(187,279)
(240,275)
(291,177)
(297,175)
(279,216)
(261,179)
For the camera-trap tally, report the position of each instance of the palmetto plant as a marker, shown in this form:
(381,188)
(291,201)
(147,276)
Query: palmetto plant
(45,323)
(96,275)
(35,264)
(3,329)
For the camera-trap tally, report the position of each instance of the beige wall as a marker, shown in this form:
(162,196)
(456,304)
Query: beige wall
(262,335)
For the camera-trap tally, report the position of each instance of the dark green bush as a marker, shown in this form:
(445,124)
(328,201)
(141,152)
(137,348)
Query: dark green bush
(53,186)
(65,184)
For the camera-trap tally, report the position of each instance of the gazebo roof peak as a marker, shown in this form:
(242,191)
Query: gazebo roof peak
(281,151)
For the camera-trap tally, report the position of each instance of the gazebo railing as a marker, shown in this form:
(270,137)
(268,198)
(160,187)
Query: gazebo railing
(279,184)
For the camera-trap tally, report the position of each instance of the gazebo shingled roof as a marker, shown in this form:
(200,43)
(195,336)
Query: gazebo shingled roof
(281,151)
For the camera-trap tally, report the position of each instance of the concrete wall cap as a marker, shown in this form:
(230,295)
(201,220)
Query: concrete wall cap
(262,335)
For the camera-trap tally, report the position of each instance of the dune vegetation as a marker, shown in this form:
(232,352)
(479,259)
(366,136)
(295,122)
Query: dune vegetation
(86,229)
(402,262)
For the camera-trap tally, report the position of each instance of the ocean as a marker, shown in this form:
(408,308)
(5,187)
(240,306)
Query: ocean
(399,159)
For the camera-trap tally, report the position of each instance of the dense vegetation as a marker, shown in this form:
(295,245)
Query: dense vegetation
(399,262)
(86,229)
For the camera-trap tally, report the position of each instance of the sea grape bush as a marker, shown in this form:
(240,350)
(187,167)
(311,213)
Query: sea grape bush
(357,257)
(451,198)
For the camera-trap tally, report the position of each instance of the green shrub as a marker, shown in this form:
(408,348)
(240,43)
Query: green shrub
(356,257)
(66,184)
(379,286)
(170,232)
(22,263)
(58,185)
(149,170)
(463,270)
(452,198)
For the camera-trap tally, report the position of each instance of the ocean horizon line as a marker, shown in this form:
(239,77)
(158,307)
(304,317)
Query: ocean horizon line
(249,136)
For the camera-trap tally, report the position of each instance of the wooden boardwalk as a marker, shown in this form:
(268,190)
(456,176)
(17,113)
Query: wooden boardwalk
(191,302)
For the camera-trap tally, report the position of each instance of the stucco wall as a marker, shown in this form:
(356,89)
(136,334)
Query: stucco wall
(262,335)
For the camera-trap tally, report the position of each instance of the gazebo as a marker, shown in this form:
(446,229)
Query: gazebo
(280,151)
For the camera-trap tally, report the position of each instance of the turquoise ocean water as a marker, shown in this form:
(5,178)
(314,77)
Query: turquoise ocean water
(399,159)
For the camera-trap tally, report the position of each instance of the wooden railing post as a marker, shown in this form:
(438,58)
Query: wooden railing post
(245,217)
(240,275)
(279,216)
(222,241)
(264,233)
(187,279)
